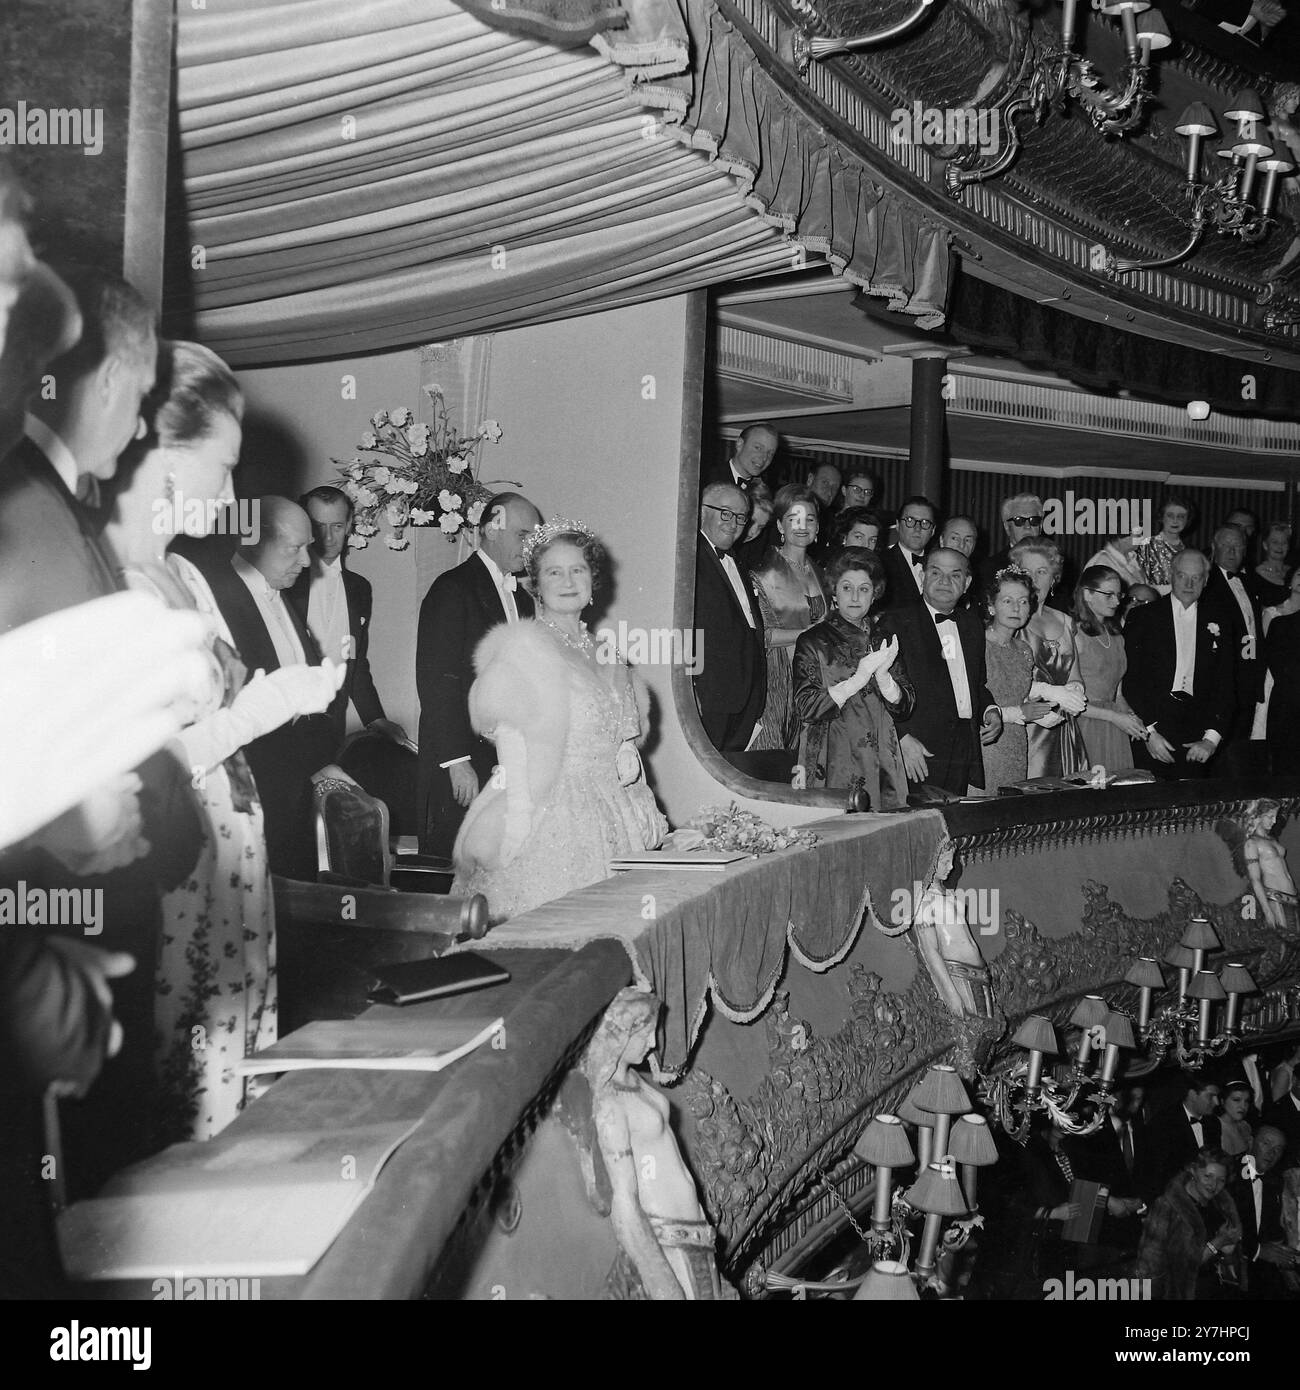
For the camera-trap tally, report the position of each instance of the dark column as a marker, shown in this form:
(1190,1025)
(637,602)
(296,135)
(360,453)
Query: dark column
(925,473)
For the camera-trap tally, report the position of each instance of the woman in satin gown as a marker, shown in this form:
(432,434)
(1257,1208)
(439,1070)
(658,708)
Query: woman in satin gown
(791,598)
(215,978)
(569,794)
(1109,725)
(849,685)
(1056,747)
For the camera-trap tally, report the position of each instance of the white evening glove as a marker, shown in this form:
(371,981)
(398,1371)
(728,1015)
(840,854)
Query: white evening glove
(1063,696)
(1012,714)
(262,706)
(512,757)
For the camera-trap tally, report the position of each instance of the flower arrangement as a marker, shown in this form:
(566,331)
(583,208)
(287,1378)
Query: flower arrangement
(730,828)
(425,475)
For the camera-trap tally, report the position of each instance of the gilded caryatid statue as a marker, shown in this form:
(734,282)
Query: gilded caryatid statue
(944,939)
(654,1206)
(1257,856)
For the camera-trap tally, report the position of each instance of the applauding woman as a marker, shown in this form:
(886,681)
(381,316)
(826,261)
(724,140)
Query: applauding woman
(568,794)
(849,685)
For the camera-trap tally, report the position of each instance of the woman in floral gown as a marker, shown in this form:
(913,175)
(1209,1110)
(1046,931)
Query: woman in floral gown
(568,795)
(215,967)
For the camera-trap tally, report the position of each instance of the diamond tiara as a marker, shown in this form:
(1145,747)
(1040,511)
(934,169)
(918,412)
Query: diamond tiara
(561,526)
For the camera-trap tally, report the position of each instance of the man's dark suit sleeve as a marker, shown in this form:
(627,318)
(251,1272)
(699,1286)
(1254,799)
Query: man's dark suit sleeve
(1140,688)
(441,678)
(365,698)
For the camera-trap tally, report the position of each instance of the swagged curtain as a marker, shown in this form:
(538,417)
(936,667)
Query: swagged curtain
(362,177)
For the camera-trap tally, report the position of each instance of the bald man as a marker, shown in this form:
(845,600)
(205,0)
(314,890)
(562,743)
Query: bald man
(1179,681)
(250,588)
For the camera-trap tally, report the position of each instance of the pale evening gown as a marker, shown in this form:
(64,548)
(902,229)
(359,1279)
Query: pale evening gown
(586,817)
(1102,670)
(215,985)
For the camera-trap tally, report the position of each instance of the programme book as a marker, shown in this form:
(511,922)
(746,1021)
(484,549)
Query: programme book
(384,1043)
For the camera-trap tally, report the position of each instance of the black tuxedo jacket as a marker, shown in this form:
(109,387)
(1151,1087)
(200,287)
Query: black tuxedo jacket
(282,761)
(1248,657)
(1269,1225)
(900,587)
(457,612)
(50,559)
(358,684)
(1282,1114)
(1172,1143)
(733,667)
(720,472)
(954,743)
(1153,657)
(50,555)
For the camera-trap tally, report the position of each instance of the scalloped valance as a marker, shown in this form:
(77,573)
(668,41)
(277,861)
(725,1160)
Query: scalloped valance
(358,178)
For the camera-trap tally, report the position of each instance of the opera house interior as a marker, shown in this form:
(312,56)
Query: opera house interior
(654,651)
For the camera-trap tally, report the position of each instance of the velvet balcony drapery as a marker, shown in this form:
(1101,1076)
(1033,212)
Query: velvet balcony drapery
(365,177)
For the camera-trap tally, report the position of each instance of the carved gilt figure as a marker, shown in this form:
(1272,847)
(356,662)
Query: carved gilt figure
(1257,856)
(944,940)
(654,1205)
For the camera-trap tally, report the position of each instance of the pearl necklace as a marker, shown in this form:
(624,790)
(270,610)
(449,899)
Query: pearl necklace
(582,643)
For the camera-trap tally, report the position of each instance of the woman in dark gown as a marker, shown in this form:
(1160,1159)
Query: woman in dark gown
(849,685)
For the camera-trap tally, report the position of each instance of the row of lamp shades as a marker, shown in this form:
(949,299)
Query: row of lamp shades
(949,1138)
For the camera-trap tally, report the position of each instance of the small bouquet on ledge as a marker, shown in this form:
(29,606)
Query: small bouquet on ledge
(426,475)
(730,828)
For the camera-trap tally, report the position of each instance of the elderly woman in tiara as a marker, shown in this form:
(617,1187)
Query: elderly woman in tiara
(569,794)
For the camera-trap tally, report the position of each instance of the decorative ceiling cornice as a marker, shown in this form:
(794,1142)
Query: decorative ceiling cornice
(1045,230)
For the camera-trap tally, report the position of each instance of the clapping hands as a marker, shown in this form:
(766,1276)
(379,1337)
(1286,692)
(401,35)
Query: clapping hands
(878,662)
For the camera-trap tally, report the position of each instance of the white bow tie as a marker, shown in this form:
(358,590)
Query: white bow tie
(509,583)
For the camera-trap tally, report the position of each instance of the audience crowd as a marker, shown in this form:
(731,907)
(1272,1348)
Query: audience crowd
(1162,660)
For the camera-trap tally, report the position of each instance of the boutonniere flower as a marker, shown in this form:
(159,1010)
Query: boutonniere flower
(1212,629)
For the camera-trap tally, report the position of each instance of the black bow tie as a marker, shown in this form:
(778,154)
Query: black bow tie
(944,618)
(917,560)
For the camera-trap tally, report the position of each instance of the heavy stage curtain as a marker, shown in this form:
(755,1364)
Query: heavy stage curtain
(366,177)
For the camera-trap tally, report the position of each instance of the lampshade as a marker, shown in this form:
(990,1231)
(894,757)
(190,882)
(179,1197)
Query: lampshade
(1090,1010)
(1200,935)
(1205,985)
(885,1144)
(1236,979)
(1248,147)
(1119,1030)
(1153,31)
(1246,106)
(1119,6)
(910,1112)
(1277,166)
(1180,957)
(941,1092)
(937,1190)
(1145,973)
(1197,119)
(1036,1034)
(887,1281)
(971,1142)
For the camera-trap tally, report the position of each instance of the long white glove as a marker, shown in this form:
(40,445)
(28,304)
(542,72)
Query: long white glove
(512,759)
(1063,696)
(262,706)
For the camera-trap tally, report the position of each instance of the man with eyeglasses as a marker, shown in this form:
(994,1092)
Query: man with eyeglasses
(1022,519)
(859,490)
(905,562)
(753,451)
(731,684)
